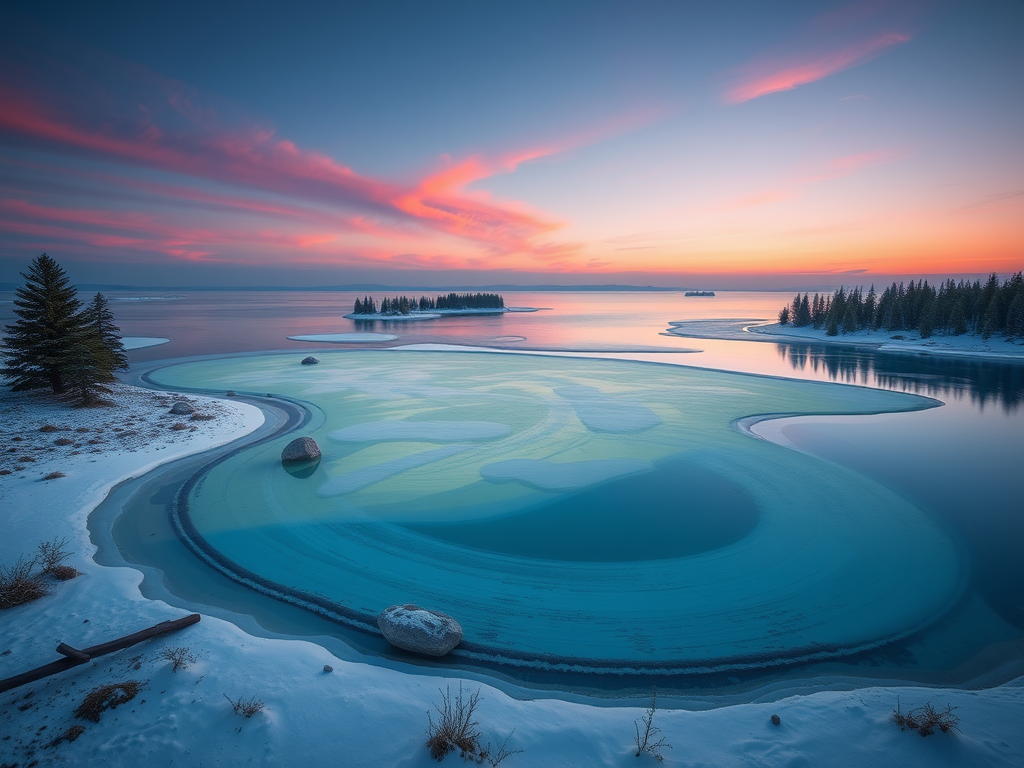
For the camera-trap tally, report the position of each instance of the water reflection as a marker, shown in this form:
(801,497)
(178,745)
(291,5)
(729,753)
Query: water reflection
(984,382)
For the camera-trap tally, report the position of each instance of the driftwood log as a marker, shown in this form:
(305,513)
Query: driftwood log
(74,657)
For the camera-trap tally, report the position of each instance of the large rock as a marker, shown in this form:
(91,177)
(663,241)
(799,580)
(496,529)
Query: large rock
(419,630)
(310,360)
(181,408)
(301,449)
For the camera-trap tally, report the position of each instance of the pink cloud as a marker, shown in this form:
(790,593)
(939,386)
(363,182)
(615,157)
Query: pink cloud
(847,37)
(768,77)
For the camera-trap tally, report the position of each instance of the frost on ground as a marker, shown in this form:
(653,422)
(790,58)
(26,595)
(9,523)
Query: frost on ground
(362,714)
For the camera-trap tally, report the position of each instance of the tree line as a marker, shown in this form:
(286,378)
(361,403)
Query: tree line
(403,305)
(56,341)
(951,309)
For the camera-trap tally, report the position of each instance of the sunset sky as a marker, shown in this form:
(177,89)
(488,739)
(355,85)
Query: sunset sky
(711,144)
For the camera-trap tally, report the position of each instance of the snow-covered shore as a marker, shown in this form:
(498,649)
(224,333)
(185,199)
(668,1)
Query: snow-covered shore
(361,714)
(909,342)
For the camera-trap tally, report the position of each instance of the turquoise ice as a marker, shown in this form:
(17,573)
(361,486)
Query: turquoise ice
(591,512)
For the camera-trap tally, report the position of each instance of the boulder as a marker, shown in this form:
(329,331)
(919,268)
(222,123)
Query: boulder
(419,630)
(301,449)
(310,360)
(181,408)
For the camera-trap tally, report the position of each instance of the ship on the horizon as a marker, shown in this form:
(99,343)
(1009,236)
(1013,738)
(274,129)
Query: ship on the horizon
(699,293)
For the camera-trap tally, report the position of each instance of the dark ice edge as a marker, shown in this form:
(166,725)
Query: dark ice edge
(299,415)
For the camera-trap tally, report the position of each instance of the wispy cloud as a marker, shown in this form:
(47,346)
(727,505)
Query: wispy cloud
(828,44)
(148,122)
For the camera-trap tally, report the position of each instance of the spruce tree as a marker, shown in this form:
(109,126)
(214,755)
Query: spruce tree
(104,338)
(42,344)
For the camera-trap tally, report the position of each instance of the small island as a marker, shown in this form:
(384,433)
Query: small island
(424,308)
(699,293)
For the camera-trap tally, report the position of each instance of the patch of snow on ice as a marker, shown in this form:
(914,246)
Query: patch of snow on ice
(139,342)
(430,431)
(561,476)
(604,413)
(367,476)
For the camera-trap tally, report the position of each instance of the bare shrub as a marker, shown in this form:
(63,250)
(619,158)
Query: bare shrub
(926,719)
(105,697)
(650,741)
(49,428)
(5,472)
(63,441)
(246,707)
(54,476)
(178,427)
(52,554)
(203,417)
(20,584)
(81,429)
(455,727)
(181,657)
(26,459)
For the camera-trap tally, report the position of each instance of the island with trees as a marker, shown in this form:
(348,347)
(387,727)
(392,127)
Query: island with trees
(58,343)
(989,309)
(426,308)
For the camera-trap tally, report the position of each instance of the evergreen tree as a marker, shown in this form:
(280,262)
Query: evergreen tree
(42,344)
(1015,315)
(784,316)
(104,338)
(803,314)
(832,327)
(850,317)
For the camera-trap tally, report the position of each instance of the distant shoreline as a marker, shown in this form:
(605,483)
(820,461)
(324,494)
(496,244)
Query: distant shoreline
(434,314)
(904,342)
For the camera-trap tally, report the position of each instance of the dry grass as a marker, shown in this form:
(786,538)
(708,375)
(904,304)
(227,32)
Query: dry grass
(246,707)
(926,719)
(49,428)
(63,441)
(203,417)
(65,572)
(178,426)
(455,729)
(69,735)
(20,584)
(54,476)
(105,697)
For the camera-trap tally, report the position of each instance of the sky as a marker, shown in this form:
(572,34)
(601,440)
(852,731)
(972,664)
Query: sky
(694,144)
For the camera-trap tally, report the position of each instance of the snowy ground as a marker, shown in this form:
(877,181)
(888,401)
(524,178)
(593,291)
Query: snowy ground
(359,714)
(744,329)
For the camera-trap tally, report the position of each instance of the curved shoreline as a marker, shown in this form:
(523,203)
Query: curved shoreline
(743,329)
(480,656)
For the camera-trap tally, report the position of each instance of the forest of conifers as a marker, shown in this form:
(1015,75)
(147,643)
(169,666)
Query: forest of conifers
(403,305)
(954,308)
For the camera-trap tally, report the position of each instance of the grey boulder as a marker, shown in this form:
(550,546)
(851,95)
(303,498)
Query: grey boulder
(419,630)
(301,449)
(310,360)
(181,408)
